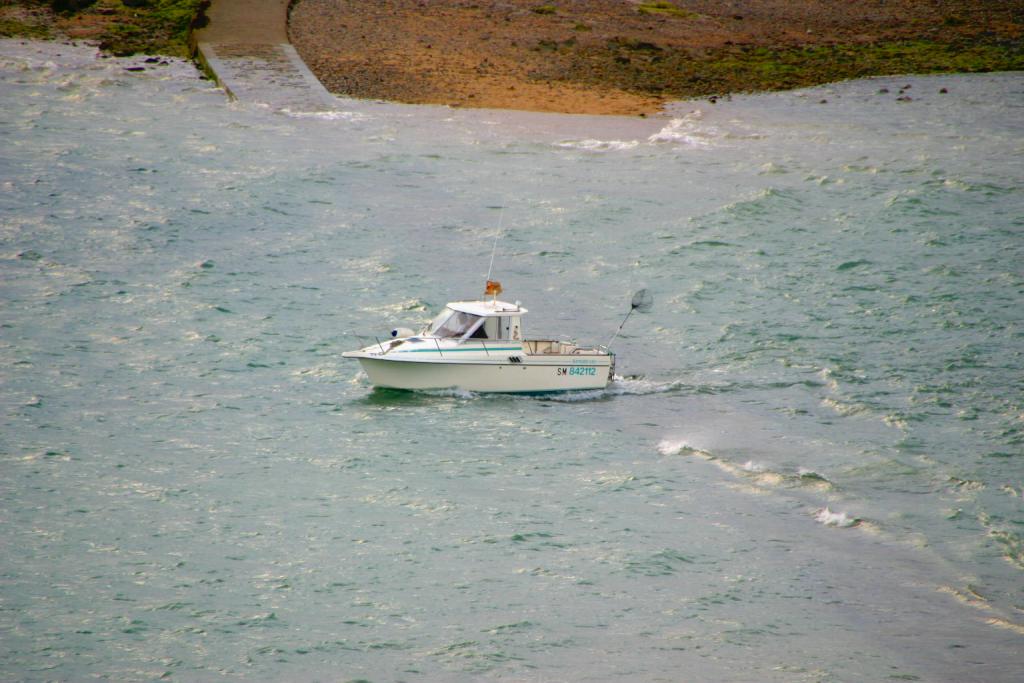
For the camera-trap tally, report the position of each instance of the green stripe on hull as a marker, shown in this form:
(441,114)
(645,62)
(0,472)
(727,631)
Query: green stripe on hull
(477,350)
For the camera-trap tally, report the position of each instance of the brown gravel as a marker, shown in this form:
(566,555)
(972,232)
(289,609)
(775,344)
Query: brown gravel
(591,56)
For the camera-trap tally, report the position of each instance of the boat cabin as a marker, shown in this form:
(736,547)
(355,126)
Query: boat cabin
(464,320)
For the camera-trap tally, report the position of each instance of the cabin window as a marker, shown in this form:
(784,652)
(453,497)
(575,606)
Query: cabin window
(454,324)
(438,320)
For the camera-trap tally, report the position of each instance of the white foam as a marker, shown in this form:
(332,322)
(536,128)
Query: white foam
(837,519)
(332,115)
(674,446)
(844,409)
(619,386)
(592,145)
(686,130)
(453,392)
(573,397)
(639,386)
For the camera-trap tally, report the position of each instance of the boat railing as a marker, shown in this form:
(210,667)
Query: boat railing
(367,340)
(384,346)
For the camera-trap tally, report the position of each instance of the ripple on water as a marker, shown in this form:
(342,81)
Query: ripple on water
(197,486)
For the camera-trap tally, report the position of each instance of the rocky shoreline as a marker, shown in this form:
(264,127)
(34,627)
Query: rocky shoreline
(117,27)
(574,56)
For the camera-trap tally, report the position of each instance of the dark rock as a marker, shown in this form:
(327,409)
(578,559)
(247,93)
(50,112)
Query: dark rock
(70,6)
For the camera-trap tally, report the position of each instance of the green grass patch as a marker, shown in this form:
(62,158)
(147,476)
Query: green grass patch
(120,27)
(767,69)
(544,9)
(676,73)
(12,28)
(154,26)
(666,8)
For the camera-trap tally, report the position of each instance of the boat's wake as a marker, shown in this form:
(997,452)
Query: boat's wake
(619,386)
(452,392)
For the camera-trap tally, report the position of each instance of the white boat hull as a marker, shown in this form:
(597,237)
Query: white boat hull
(478,346)
(553,375)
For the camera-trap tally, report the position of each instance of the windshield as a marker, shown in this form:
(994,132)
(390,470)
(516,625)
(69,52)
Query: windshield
(436,322)
(452,323)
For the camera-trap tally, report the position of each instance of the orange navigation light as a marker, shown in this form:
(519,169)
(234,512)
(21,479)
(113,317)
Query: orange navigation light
(493,288)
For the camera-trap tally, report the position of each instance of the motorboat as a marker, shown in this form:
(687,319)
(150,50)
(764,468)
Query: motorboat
(480,346)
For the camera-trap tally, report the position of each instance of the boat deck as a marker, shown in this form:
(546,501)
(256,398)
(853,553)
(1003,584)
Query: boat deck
(554,347)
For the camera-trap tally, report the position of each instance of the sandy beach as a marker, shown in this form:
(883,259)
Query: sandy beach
(630,57)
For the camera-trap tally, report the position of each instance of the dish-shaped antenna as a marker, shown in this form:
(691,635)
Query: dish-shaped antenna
(643,301)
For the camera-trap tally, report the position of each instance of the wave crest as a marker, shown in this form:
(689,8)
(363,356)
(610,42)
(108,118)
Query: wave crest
(837,519)
(684,131)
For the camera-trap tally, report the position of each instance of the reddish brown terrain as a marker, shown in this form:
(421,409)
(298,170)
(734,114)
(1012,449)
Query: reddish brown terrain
(630,56)
(579,56)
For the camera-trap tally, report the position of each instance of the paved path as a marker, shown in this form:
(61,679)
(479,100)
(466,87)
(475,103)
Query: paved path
(246,47)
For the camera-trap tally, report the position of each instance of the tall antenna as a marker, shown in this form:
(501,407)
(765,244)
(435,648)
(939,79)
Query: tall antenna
(642,301)
(501,217)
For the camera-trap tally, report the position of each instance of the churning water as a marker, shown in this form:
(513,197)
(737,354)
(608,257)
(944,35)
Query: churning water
(811,469)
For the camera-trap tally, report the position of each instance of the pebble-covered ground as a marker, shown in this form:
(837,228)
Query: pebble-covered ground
(576,56)
(631,56)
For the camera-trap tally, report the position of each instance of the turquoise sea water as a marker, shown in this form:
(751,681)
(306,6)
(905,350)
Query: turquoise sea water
(810,469)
